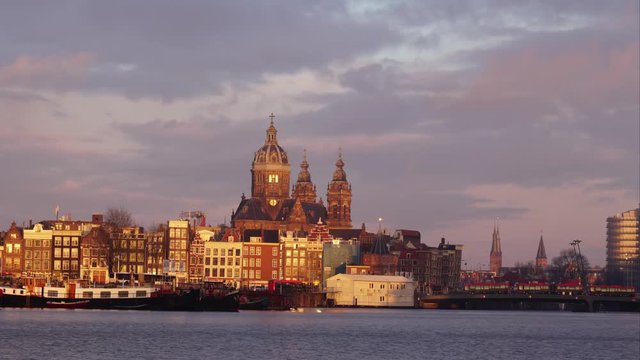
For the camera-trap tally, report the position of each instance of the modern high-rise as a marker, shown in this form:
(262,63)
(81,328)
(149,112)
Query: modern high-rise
(623,248)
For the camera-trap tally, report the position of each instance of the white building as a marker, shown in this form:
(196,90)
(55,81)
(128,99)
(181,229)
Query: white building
(370,290)
(222,261)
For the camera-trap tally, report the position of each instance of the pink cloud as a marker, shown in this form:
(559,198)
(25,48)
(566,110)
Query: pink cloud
(586,74)
(51,71)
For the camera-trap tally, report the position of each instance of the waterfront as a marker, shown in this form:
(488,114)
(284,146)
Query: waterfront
(329,334)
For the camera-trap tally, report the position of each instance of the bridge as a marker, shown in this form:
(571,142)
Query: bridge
(590,303)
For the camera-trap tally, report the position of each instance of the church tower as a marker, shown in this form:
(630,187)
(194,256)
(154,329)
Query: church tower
(304,188)
(339,198)
(270,171)
(495,257)
(541,257)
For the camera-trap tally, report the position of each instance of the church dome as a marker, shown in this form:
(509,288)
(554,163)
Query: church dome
(271,152)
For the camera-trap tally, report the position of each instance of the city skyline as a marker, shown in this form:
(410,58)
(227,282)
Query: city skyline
(449,115)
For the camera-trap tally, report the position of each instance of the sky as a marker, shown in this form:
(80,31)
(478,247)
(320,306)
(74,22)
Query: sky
(449,114)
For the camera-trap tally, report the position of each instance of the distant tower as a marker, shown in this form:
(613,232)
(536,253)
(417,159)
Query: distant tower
(304,188)
(541,257)
(339,198)
(270,170)
(495,258)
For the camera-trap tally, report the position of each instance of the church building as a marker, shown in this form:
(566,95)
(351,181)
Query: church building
(272,207)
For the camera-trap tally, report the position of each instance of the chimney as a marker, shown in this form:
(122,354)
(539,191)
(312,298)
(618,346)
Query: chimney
(30,223)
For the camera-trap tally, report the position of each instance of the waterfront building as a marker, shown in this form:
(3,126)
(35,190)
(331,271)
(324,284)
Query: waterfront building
(95,256)
(336,255)
(223,261)
(128,250)
(370,290)
(301,257)
(37,251)
(12,256)
(623,248)
(260,257)
(178,239)
(358,270)
(495,257)
(380,260)
(196,260)
(541,256)
(155,250)
(66,248)
(435,269)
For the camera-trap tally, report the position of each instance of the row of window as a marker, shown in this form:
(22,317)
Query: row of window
(222,252)
(65,240)
(65,265)
(37,243)
(222,272)
(177,233)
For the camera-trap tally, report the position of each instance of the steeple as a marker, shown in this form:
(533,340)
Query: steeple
(541,256)
(304,188)
(271,132)
(270,170)
(495,257)
(339,197)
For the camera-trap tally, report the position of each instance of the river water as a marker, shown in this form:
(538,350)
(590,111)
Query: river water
(318,334)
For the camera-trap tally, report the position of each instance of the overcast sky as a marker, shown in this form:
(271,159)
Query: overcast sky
(449,113)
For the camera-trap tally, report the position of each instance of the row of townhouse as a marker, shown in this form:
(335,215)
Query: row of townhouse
(95,251)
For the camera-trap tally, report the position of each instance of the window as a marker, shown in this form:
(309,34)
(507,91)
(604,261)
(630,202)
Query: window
(58,241)
(74,241)
(237,252)
(27,254)
(229,261)
(230,252)
(215,252)
(215,261)
(258,262)
(274,274)
(258,250)
(65,265)
(244,274)
(65,252)
(244,262)
(258,274)
(66,241)
(207,272)
(87,294)
(252,250)
(28,243)
(237,261)
(274,263)
(273,178)
(74,253)
(221,272)
(105,294)
(252,262)
(207,252)
(141,293)
(251,274)
(274,251)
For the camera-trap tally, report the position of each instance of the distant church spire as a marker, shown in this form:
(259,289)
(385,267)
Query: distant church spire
(541,256)
(495,257)
(304,188)
(339,197)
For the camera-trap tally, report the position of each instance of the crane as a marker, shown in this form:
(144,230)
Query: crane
(199,218)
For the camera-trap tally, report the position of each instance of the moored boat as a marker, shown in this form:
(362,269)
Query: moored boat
(82,304)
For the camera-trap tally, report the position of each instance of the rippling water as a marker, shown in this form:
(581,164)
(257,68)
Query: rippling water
(330,334)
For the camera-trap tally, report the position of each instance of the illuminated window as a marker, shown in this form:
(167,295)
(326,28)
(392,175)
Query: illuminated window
(273,178)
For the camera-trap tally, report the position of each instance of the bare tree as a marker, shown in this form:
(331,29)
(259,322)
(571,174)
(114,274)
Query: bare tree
(119,217)
(565,266)
(116,219)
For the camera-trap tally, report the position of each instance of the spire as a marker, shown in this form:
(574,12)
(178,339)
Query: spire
(271,132)
(339,174)
(542,254)
(304,175)
(495,244)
